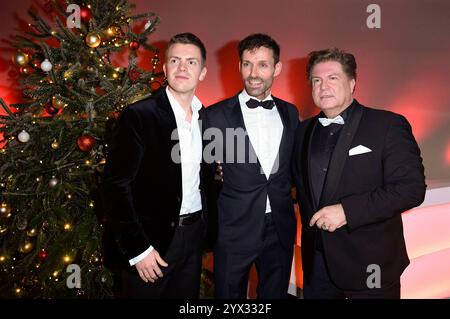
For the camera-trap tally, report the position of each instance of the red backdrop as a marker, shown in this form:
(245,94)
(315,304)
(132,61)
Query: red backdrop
(403,66)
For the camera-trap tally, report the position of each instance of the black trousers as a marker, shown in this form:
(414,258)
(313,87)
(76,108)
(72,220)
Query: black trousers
(320,285)
(273,265)
(181,278)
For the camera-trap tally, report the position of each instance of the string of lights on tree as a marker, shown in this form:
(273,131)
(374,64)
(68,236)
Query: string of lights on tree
(74,82)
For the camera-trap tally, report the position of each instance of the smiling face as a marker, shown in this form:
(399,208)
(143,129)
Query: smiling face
(258,69)
(184,68)
(332,88)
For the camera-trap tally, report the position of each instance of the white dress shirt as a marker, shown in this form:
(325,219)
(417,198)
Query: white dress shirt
(190,143)
(264,129)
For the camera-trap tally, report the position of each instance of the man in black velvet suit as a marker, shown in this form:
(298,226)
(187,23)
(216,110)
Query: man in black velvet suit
(256,220)
(356,170)
(153,190)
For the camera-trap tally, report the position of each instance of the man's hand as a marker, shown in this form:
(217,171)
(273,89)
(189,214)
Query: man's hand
(329,218)
(148,268)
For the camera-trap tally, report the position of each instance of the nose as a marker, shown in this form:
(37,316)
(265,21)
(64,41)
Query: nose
(324,84)
(182,65)
(253,71)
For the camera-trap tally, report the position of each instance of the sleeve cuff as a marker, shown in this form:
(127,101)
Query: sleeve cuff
(137,259)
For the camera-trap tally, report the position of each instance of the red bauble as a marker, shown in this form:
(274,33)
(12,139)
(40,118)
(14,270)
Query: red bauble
(86,142)
(155,85)
(134,45)
(50,109)
(85,14)
(26,70)
(42,254)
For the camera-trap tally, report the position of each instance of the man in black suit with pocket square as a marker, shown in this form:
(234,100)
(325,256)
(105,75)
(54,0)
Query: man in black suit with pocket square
(256,220)
(154,187)
(356,170)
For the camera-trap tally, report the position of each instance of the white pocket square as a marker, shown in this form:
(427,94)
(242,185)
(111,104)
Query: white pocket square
(360,149)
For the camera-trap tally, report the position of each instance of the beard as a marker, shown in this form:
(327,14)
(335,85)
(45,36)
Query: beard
(259,90)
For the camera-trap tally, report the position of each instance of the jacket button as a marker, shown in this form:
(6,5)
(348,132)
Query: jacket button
(178,199)
(172,224)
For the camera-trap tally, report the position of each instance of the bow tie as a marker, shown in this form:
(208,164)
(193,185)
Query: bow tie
(252,104)
(326,121)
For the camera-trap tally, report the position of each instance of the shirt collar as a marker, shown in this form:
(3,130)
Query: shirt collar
(244,96)
(196,105)
(345,113)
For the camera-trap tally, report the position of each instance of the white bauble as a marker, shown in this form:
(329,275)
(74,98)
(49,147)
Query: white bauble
(46,65)
(23,136)
(53,182)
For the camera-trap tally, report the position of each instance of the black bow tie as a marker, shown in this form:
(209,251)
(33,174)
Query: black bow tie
(252,103)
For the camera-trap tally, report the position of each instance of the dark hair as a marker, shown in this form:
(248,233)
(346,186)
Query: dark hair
(188,38)
(257,40)
(347,60)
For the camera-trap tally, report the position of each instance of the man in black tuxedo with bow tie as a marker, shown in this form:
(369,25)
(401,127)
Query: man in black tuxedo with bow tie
(154,186)
(356,170)
(256,220)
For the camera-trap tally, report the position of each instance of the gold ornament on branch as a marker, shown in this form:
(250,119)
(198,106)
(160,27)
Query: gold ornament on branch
(93,40)
(5,210)
(55,144)
(32,232)
(26,247)
(21,59)
(3,229)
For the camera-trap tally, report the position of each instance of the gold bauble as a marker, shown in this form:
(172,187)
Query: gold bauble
(26,247)
(58,102)
(5,210)
(93,40)
(21,59)
(55,145)
(112,31)
(68,74)
(32,232)
(3,229)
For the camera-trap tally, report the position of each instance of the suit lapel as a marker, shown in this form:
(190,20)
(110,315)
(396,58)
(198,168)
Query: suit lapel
(167,117)
(235,118)
(281,155)
(306,160)
(340,155)
(168,124)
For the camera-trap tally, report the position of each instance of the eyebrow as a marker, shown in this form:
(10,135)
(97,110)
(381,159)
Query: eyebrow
(178,58)
(318,77)
(260,61)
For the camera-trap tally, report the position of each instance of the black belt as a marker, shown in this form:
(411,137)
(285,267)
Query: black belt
(189,219)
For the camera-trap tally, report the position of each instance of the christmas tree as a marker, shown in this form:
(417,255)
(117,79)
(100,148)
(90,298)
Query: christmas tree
(55,141)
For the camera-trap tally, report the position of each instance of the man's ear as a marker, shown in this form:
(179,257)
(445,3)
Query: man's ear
(353,85)
(278,68)
(203,73)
